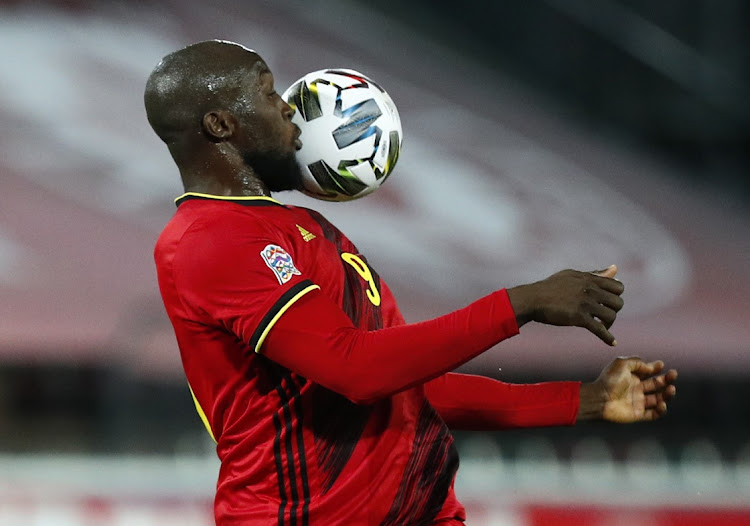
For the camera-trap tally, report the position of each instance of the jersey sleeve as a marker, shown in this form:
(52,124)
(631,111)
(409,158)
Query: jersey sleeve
(317,340)
(477,403)
(240,280)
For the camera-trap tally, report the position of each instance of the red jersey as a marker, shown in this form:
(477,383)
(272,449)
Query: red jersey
(305,375)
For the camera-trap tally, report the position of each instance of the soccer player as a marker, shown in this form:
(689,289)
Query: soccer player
(325,406)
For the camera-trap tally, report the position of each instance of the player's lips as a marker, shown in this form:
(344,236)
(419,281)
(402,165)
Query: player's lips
(297,141)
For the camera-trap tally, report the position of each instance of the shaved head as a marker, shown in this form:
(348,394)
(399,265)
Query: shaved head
(215,106)
(194,80)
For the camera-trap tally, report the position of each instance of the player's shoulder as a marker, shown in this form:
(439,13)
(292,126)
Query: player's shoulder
(305,211)
(245,214)
(211,224)
(327,226)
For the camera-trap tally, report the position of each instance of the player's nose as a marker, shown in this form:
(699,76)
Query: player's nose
(287,110)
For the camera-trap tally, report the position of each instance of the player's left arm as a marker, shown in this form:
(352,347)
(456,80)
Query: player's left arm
(478,403)
(628,390)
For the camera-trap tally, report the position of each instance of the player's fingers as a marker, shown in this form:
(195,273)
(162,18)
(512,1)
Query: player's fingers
(651,400)
(667,393)
(655,383)
(606,298)
(598,330)
(659,400)
(655,412)
(645,369)
(610,285)
(604,314)
(609,272)
(628,363)
(607,282)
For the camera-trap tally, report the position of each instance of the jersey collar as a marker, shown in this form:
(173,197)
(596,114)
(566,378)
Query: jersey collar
(253,200)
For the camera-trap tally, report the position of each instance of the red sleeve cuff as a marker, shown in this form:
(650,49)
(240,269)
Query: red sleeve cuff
(509,323)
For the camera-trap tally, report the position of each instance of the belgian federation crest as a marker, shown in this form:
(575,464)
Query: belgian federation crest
(280,262)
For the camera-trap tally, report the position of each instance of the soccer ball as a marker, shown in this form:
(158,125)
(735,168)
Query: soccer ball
(351,133)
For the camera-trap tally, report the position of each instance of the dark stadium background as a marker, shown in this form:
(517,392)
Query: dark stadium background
(638,110)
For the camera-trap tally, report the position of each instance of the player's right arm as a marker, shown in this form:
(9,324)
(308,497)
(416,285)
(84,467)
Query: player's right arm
(225,281)
(316,339)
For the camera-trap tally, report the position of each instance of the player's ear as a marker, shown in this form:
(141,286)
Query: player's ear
(218,124)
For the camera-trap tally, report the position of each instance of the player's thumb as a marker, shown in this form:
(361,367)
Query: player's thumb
(608,272)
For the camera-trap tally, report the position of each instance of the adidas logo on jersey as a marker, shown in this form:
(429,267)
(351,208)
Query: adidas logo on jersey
(306,235)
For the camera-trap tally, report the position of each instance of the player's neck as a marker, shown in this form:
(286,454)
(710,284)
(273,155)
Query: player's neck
(228,182)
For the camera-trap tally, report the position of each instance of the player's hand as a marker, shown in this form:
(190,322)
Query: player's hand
(628,390)
(572,298)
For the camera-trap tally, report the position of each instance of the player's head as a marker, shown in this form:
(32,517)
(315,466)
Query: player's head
(216,100)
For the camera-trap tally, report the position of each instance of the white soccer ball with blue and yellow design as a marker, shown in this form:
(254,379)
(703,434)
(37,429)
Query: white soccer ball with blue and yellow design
(351,133)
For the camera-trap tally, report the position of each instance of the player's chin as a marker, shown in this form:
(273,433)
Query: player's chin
(285,176)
